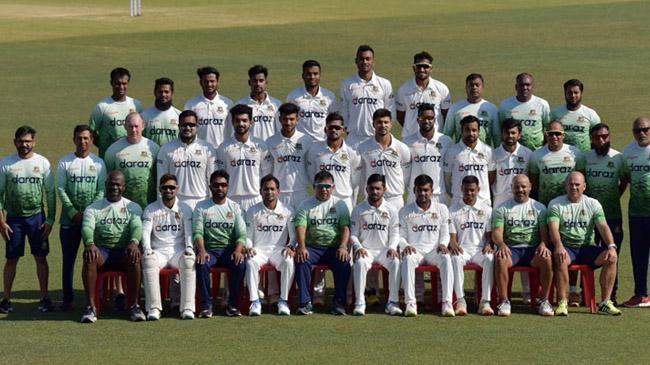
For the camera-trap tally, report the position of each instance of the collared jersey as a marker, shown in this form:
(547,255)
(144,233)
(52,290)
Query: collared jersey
(487,114)
(344,164)
(289,160)
(161,126)
(424,229)
(410,96)
(393,162)
(552,168)
(520,222)
(506,166)
(220,225)
(576,220)
(461,161)
(112,224)
(107,120)
(313,110)
(636,168)
(470,223)
(191,163)
(577,124)
(603,175)
(534,115)
(246,162)
(360,99)
(80,181)
(266,116)
(214,120)
(323,221)
(164,227)
(374,228)
(427,157)
(270,229)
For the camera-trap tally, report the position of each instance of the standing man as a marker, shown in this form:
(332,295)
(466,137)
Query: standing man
(315,102)
(422,89)
(532,112)
(244,157)
(161,120)
(271,234)
(167,242)
(264,122)
(575,117)
(362,94)
(486,113)
(26,187)
(80,182)
(135,156)
(572,219)
(219,234)
(108,116)
(190,159)
(323,233)
(111,233)
(211,108)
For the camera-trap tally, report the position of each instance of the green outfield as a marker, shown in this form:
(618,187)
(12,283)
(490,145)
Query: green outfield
(56,56)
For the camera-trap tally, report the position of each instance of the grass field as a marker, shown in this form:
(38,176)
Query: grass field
(56,56)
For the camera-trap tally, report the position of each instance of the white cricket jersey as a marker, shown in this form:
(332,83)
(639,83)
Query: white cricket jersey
(266,120)
(160,126)
(461,161)
(164,227)
(270,229)
(214,120)
(374,228)
(470,223)
(191,163)
(246,162)
(393,162)
(313,110)
(506,166)
(427,158)
(360,99)
(410,96)
(289,159)
(487,114)
(344,164)
(424,229)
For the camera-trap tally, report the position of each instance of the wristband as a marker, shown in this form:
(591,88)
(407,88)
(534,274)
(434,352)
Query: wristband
(611,246)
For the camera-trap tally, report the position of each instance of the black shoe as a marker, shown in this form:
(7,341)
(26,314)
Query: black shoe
(232,312)
(45,305)
(120,302)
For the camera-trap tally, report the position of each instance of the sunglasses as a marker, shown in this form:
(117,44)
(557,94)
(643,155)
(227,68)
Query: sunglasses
(425,66)
(555,133)
(639,130)
(188,126)
(168,187)
(320,186)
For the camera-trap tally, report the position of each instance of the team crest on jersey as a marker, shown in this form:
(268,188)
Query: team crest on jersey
(480,213)
(122,210)
(131,110)
(229,215)
(394,153)
(481,155)
(582,212)
(323,102)
(483,113)
(532,112)
(520,159)
(252,149)
(299,146)
(432,93)
(531,212)
(434,215)
(384,215)
(581,119)
(176,215)
(144,154)
(333,210)
(567,159)
(280,216)
(610,164)
(345,157)
(439,145)
(92,168)
(270,108)
(198,152)
(219,109)
(173,121)
(375,89)
(36,170)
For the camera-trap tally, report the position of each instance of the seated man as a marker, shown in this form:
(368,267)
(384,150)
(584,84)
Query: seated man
(374,237)
(571,220)
(520,234)
(323,232)
(424,235)
(167,242)
(219,234)
(470,241)
(111,232)
(270,231)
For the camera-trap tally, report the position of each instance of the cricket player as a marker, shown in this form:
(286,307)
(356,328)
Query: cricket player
(264,122)
(576,118)
(161,120)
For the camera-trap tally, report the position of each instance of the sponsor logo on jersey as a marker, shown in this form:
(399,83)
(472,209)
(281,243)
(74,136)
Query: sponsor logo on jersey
(263,118)
(574,128)
(528,122)
(333,167)
(426,158)
(269,228)
(574,224)
(26,180)
(312,114)
(117,122)
(320,221)
(424,228)
(114,221)
(472,225)
(288,158)
(414,106)
(511,171)
(605,174)
(162,132)
(188,163)
(522,222)
(82,179)
(168,228)
(383,162)
(210,121)
(471,167)
(374,227)
(138,164)
(219,225)
(364,100)
(243,162)
(557,170)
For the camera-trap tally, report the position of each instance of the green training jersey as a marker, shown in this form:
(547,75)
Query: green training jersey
(520,222)
(112,224)
(576,220)
(576,125)
(323,221)
(636,169)
(534,116)
(80,181)
(604,174)
(161,126)
(220,225)
(107,120)
(552,168)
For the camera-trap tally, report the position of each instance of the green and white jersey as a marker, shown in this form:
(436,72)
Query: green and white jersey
(220,225)
(520,222)
(534,115)
(576,125)
(486,112)
(636,168)
(80,181)
(577,221)
(138,163)
(604,174)
(112,224)
(323,221)
(161,126)
(552,168)
(470,223)
(26,185)
(107,120)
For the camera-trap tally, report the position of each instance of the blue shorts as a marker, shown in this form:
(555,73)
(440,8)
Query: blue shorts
(522,256)
(26,227)
(585,255)
(113,258)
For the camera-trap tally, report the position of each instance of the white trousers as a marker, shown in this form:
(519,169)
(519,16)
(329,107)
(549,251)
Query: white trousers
(412,261)
(487,279)
(360,270)
(281,263)
(151,265)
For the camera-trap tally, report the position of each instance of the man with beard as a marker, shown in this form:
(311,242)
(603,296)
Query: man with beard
(264,122)
(161,120)
(575,117)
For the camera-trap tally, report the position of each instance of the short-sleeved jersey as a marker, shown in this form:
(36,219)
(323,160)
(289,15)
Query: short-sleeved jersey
(323,221)
(534,116)
(164,227)
(344,164)
(161,126)
(112,224)
(80,181)
(552,168)
(410,96)
(461,161)
(289,160)
(313,110)
(214,120)
(636,168)
(427,157)
(26,186)
(374,228)
(470,223)
(270,229)
(107,120)
(137,161)
(576,220)
(266,116)
(487,114)
(521,222)
(603,174)
(393,162)
(424,229)
(246,163)
(220,225)
(360,99)
(191,163)
(506,166)
(576,125)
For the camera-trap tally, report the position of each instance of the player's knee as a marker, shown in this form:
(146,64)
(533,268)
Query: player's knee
(187,262)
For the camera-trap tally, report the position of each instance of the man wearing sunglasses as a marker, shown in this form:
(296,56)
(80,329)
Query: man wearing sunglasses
(575,117)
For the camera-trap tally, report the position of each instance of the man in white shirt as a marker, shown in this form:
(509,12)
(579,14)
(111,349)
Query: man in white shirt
(265,107)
